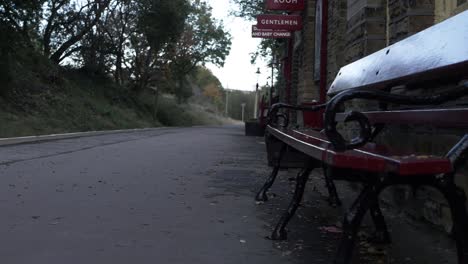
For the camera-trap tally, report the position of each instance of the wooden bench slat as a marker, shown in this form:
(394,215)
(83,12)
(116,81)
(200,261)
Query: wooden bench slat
(372,157)
(439,51)
(454,118)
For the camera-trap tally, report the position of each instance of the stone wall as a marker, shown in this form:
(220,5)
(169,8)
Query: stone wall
(304,88)
(307,88)
(336,38)
(366,28)
(408,17)
(296,62)
(358,28)
(448,8)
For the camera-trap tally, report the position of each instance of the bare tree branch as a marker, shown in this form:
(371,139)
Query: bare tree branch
(99,6)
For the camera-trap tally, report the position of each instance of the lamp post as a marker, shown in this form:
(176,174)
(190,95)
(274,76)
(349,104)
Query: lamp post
(256,95)
(243,111)
(227,102)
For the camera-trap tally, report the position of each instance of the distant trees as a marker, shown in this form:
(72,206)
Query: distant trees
(139,43)
(211,87)
(236,99)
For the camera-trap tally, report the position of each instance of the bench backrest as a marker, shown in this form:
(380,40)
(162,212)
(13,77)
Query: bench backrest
(439,53)
(435,56)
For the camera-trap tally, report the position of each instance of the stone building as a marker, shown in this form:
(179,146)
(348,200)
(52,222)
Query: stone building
(357,28)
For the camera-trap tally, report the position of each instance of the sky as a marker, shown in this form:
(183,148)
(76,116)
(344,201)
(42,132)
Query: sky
(238,73)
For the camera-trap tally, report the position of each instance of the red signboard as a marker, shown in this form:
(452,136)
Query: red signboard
(286,5)
(285,22)
(270,33)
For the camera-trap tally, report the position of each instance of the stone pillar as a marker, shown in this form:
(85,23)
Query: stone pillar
(336,37)
(408,17)
(307,88)
(447,8)
(366,28)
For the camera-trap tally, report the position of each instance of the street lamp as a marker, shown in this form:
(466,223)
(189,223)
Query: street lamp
(256,94)
(243,111)
(227,99)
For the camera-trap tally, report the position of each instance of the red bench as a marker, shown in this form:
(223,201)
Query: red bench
(390,77)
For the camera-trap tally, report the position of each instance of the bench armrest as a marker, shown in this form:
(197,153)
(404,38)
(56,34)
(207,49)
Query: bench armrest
(274,114)
(337,140)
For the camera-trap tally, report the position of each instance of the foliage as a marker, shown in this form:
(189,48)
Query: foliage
(236,99)
(140,43)
(21,16)
(267,49)
(161,21)
(67,23)
(68,65)
(6,55)
(203,40)
(76,65)
(211,87)
(212,91)
(249,9)
(87,104)
(155,25)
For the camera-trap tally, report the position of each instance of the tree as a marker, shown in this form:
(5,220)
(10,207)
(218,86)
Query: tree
(236,99)
(210,85)
(249,9)
(21,16)
(159,23)
(19,21)
(205,76)
(213,92)
(119,25)
(203,40)
(141,43)
(67,23)
(162,21)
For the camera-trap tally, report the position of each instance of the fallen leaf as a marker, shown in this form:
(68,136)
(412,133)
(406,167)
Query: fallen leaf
(330,229)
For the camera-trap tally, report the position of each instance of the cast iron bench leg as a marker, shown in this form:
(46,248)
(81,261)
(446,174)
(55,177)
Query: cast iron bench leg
(262,193)
(381,234)
(333,198)
(352,222)
(457,201)
(456,198)
(280,233)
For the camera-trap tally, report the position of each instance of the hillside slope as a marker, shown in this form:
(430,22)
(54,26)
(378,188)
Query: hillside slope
(48,100)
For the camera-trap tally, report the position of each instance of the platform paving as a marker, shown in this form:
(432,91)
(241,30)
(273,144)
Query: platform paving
(175,195)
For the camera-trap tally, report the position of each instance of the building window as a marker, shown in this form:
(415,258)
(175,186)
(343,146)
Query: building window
(460,2)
